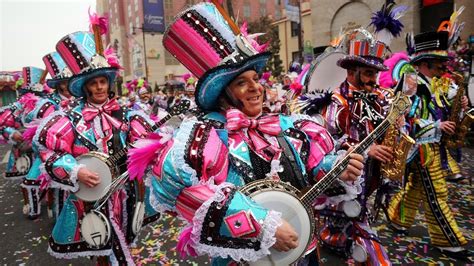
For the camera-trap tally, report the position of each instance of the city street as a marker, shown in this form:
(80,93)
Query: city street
(25,241)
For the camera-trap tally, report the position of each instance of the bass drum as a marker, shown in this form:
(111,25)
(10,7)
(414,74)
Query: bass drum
(325,75)
(23,164)
(95,229)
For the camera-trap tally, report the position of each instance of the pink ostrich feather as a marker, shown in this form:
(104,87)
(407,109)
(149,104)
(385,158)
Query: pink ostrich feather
(101,22)
(386,78)
(29,133)
(28,101)
(142,154)
(112,58)
(252,38)
(296,88)
(185,242)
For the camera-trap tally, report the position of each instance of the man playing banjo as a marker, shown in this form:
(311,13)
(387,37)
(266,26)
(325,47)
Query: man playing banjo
(91,228)
(198,172)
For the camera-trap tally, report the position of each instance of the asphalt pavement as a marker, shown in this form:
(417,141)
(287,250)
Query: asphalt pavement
(24,242)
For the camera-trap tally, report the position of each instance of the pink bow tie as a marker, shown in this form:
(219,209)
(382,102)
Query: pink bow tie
(269,124)
(89,113)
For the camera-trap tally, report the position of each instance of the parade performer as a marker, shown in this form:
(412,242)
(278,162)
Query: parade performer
(9,133)
(198,171)
(64,101)
(60,75)
(427,169)
(31,107)
(358,106)
(99,124)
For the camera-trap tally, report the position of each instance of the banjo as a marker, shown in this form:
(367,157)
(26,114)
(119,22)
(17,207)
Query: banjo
(95,226)
(295,206)
(105,165)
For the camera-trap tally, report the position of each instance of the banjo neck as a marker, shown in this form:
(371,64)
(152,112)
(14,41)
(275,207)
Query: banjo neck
(176,110)
(325,182)
(400,104)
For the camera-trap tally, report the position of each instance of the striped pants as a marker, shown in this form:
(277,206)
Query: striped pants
(427,184)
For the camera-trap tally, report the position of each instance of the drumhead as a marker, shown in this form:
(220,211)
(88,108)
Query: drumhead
(359,253)
(95,229)
(138,215)
(351,208)
(23,164)
(325,75)
(97,165)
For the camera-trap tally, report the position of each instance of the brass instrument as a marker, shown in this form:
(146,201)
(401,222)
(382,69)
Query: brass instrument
(401,143)
(462,125)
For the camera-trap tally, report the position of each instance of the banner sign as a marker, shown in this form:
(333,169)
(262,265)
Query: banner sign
(153,16)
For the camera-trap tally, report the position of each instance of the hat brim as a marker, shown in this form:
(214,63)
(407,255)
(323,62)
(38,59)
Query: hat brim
(77,82)
(215,80)
(52,83)
(429,56)
(349,61)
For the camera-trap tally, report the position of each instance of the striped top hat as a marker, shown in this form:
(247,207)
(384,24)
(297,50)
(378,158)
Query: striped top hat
(85,60)
(434,45)
(210,45)
(33,79)
(57,69)
(366,51)
(428,46)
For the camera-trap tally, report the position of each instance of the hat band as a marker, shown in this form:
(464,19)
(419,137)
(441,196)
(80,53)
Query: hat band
(432,52)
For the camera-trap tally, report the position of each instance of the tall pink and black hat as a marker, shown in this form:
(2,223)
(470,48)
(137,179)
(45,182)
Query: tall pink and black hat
(57,69)
(209,44)
(78,50)
(33,79)
(84,55)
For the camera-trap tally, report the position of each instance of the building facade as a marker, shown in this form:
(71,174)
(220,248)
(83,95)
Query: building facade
(325,20)
(126,35)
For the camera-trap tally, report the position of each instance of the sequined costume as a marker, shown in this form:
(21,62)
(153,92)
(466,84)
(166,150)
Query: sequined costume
(427,170)
(351,116)
(198,172)
(64,136)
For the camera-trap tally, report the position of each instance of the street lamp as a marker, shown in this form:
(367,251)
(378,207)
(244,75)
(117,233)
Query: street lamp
(142,28)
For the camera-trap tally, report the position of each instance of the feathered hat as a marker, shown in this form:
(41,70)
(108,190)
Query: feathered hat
(137,85)
(210,45)
(84,55)
(57,69)
(189,81)
(370,49)
(398,64)
(434,45)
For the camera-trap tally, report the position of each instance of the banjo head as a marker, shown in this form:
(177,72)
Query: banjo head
(95,229)
(94,163)
(282,198)
(138,216)
(23,164)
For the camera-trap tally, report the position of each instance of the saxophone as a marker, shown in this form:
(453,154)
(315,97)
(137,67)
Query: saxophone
(401,143)
(462,125)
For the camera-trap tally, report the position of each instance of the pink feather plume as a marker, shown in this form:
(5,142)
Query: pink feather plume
(296,88)
(29,133)
(112,58)
(28,101)
(386,78)
(142,155)
(184,243)
(252,38)
(101,22)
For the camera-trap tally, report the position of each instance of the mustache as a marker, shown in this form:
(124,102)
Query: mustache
(370,83)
